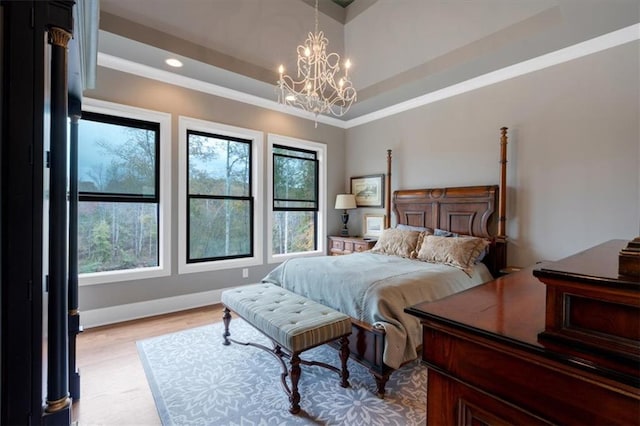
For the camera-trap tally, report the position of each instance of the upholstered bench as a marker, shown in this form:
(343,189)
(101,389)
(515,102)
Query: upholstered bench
(293,323)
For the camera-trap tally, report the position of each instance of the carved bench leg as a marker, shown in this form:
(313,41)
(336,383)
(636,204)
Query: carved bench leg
(381,382)
(294,398)
(226,318)
(344,357)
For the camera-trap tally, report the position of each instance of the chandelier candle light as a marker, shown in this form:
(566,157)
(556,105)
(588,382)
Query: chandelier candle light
(316,89)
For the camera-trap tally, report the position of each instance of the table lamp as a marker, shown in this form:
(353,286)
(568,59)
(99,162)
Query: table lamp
(345,202)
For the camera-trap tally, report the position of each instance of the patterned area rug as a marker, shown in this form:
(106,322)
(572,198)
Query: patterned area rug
(196,380)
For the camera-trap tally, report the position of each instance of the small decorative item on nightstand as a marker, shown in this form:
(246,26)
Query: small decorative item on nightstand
(373,225)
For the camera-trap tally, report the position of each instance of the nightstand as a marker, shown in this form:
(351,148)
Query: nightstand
(347,245)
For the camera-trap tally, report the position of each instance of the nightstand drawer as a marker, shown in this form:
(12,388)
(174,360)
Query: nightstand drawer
(339,245)
(364,246)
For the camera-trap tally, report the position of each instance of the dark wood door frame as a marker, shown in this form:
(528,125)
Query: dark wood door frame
(25,302)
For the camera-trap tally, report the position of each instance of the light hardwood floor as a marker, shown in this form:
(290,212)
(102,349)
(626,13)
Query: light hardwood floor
(113,386)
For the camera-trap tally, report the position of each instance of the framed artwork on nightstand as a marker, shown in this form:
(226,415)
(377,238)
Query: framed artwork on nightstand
(373,225)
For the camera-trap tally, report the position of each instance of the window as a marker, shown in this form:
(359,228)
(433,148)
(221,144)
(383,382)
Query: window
(220,206)
(297,185)
(220,210)
(295,200)
(122,192)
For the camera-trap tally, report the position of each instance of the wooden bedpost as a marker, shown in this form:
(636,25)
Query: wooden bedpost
(499,249)
(502,195)
(387,193)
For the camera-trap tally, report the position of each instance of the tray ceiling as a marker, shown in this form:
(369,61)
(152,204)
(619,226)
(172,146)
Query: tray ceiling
(400,49)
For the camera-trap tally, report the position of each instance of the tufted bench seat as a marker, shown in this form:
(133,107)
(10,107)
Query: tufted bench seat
(293,323)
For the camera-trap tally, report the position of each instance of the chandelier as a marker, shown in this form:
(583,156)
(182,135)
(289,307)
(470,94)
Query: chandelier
(316,89)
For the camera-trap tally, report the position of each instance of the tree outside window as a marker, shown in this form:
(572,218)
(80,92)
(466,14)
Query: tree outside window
(118,192)
(219,198)
(295,200)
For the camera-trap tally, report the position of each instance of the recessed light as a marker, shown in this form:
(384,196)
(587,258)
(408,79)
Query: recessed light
(172,62)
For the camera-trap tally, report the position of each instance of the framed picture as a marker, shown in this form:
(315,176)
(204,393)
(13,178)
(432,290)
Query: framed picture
(373,225)
(368,190)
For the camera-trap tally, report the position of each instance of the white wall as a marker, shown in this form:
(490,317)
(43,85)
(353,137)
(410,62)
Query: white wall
(574,151)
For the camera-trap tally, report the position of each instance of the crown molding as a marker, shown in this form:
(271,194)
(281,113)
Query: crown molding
(594,45)
(135,68)
(588,47)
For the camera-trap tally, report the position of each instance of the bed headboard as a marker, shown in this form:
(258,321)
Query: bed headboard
(463,210)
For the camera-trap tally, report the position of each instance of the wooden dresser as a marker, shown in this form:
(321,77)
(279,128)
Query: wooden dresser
(347,245)
(489,364)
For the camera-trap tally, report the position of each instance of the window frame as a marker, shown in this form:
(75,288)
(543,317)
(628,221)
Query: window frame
(186,124)
(320,149)
(191,196)
(163,192)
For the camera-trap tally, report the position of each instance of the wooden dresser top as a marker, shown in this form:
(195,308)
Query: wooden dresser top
(597,265)
(512,307)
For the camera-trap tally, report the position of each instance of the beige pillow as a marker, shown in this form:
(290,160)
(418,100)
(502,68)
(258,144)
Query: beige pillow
(461,252)
(398,242)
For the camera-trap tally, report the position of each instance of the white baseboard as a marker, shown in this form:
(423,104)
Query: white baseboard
(131,311)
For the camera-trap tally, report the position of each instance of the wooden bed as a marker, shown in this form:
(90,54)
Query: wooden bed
(463,210)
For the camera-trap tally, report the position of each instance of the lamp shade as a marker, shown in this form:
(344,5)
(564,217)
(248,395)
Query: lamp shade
(345,201)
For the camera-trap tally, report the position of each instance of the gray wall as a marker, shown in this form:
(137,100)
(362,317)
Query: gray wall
(574,156)
(118,87)
(574,151)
